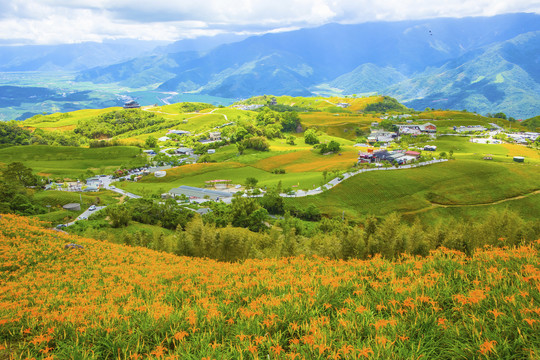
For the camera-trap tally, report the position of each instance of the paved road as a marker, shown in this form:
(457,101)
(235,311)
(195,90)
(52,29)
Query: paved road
(86,214)
(334,182)
(107,184)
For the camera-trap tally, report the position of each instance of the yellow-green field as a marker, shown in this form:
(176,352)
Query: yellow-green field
(72,162)
(61,121)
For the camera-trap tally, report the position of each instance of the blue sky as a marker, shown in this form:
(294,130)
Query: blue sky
(71,21)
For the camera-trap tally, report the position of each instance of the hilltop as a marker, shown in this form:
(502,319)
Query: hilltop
(103,300)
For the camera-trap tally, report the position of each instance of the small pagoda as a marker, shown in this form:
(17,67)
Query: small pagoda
(132,105)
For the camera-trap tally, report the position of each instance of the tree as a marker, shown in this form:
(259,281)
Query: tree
(257,143)
(18,173)
(247,212)
(251,182)
(290,121)
(334,146)
(151,142)
(310,137)
(272,202)
(388,126)
(119,215)
(240,148)
(290,140)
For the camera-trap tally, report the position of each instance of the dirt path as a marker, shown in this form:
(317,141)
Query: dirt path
(226,118)
(435,205)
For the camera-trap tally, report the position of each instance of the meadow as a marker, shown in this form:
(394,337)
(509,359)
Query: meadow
(64,121)
(111,301)
(197,174)
(454,183)
(464,149)
(54,200)
(72,162)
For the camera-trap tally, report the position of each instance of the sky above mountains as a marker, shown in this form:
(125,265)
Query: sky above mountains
(72,21)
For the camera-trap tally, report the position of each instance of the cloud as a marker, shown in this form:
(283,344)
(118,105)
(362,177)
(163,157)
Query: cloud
(65,21)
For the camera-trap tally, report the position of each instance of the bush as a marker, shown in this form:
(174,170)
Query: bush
(310,137)
(257,143)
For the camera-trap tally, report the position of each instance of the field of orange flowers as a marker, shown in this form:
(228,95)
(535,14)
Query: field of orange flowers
(118,302)
(306,160)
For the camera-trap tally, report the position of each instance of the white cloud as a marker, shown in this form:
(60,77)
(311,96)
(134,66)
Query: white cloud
(61,21)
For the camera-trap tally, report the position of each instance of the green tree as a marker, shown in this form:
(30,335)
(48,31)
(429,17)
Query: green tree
(310,137)
(240,147)
(151,142)
(290,121)
(291,140)
(119,215)
(272,202)
(388,126)
(333,146)
(17,172)
(258,143)
(251,182)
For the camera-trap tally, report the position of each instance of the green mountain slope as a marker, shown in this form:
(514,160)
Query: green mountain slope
(367,78)
(492,80)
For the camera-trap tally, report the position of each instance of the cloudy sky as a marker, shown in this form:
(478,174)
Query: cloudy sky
(70,21)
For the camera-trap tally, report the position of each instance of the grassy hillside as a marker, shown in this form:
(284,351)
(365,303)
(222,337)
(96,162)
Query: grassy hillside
(64,121)
(65,161)
(456,183)
(106,301)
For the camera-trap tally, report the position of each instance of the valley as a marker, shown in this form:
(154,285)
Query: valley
(462,187)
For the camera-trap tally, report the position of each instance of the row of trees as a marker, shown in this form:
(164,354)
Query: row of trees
(11,134)
(117,122)
(333,238)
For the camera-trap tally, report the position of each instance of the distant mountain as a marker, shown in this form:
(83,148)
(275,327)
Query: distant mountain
(416,61)
(367,78)
(72,57)
(502,77)
(200,44)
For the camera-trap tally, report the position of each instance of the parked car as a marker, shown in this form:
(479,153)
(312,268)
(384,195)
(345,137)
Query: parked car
(60,226)
(92,208)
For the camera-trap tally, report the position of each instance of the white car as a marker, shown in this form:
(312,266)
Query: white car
(112,187)
(92,208)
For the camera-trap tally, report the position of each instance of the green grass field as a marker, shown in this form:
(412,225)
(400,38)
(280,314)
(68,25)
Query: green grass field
(72,162)
(56,199)
(464,149)
(460,182)
(196,175)
(65,120)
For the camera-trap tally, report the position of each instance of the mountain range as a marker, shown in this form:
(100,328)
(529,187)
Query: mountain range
(482,64)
